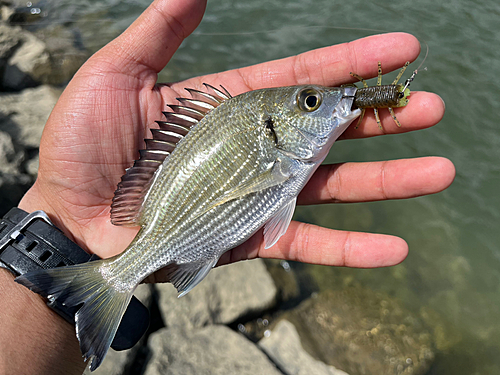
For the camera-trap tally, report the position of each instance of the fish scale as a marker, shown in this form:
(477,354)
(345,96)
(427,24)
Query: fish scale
(212,223)
(211,177)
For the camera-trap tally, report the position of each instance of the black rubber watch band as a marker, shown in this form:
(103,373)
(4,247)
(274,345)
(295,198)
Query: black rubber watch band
(30,241)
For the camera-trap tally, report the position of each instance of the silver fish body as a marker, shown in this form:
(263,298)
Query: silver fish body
(196,208)
(240,167)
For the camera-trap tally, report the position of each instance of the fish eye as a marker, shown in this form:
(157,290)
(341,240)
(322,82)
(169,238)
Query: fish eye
(309,99)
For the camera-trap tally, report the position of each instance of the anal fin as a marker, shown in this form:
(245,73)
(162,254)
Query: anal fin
(186,276)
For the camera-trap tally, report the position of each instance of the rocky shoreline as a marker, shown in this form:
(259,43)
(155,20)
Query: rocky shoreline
(232,323)
(33,69)
(246,318)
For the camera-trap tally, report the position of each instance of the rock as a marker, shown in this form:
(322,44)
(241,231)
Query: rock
(13,184)
(24,12)
(211,350)
(9,40)
(228,293)
(22,119)
(32,166)
(65,57)
(363,332)
(283,346)
(10,160)
(12,189)
(117,363)
(29,63)
(23,115)
(284,278)
(6,12)
(27,60)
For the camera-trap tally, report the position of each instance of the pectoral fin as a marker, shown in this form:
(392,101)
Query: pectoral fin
(272,177)
(278,224)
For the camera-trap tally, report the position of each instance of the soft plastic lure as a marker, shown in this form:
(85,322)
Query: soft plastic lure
(383,96)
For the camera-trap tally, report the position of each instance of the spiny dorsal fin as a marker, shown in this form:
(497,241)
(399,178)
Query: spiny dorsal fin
(135,184)
(222,94)
(207,97)
(197,104)
(187,111)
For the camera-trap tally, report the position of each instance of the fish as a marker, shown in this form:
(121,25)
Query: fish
(217,170)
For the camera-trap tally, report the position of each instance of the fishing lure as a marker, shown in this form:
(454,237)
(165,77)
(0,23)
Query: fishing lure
(383,96)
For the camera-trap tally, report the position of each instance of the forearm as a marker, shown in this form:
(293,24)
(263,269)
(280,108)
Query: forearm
(33,338)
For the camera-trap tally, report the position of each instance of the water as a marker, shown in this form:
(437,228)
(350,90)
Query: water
(454,264)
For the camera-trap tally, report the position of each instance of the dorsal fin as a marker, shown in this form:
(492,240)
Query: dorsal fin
(222,94)
(187,111)
(197,104)
(207,97)
(135,184)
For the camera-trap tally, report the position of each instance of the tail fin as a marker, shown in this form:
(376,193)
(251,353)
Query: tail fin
(103,306)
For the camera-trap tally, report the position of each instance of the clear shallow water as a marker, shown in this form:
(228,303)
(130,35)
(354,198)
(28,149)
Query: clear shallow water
(454,262)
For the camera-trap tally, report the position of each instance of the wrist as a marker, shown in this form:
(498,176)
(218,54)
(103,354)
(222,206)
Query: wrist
(34,200)
(30,244)
(87,225)
(33,337)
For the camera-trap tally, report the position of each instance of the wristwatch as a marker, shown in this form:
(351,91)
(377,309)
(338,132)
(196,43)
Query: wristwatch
(30,241)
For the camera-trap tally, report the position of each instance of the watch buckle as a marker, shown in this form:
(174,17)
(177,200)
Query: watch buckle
(15,232)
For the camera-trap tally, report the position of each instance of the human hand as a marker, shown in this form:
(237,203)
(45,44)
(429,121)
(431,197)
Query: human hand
(98,126)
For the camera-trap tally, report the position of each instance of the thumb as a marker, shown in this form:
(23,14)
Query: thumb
(150,42)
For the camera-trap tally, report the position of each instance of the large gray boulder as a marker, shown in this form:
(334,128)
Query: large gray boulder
(283,346)
(23,115)
(212,350)
(22,119)
(9,41)
(10,158)
(228,293)
(28,60)
(29,63)
(5,11)
(13,183)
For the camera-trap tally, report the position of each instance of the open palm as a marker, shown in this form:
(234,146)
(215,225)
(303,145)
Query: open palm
(98,125)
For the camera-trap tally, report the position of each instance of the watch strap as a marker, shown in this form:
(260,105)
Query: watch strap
(30,241)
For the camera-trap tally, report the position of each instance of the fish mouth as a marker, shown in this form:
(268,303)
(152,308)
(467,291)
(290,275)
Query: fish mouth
(343,113)
(346,110)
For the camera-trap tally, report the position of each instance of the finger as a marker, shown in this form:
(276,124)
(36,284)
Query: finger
(329,66)
(309,243)
(394,179)
(149,43)
(424,110)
